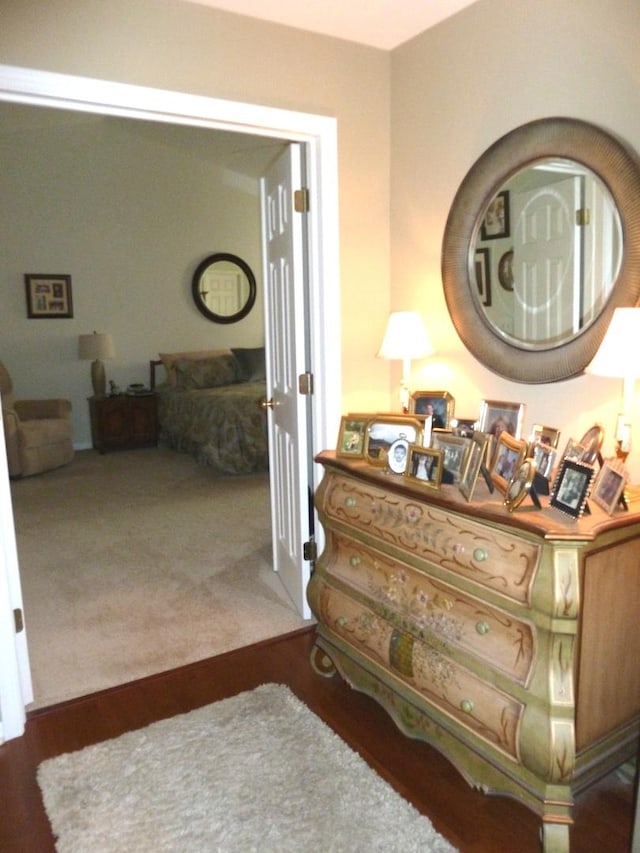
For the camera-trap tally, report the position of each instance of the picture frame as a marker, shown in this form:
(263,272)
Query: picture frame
(496,222)
(573,450)
(439,404)
(424,466)
(352,436)
(541,434)
(383,430)
(591,441)
(482,264)
(476,456)
(397,455)
(497,416)
(608,486)
(505,271)
(454,452)
(464,427)
(508,456)
(520,484)
(49,297)
(544,457)
(571,487)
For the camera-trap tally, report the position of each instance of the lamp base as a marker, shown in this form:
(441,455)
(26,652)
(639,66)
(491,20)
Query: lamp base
(98,378)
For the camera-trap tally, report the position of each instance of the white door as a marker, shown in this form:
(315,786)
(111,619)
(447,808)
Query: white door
(15,675)
(286,321)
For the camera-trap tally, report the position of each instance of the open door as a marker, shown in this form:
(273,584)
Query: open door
(15,676)
(289,399)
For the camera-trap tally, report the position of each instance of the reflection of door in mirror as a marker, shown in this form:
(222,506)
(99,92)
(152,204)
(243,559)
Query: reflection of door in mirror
(224,288)
(564,249)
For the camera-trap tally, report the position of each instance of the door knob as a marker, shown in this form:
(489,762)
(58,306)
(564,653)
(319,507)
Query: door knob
(267,404)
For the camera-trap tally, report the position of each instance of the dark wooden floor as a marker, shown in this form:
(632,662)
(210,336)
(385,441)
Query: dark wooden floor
(471,821)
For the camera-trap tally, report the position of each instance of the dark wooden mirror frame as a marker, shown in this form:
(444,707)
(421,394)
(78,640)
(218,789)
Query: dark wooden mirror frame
(202,267)
(615,165)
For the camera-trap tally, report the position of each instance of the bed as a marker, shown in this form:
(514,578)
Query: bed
(209,407)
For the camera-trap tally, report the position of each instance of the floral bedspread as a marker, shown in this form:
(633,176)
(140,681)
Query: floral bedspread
(222,427)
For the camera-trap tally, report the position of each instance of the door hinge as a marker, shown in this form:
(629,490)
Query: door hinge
(305,384)
(310,550)
(301,201)
(18,619)
(583,216)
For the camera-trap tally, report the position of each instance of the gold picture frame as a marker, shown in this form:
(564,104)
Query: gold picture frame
(439,404)
(383,430)
(508,456)
(424,466)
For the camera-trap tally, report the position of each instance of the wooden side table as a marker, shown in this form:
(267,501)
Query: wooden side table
(124,422)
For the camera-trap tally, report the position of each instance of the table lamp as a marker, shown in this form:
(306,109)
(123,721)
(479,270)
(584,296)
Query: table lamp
(405,338)
(616,358)
(94,348)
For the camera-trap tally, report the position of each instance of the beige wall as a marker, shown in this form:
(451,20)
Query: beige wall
(190,48)
(455,90)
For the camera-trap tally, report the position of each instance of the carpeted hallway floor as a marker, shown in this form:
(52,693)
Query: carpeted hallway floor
(138,562)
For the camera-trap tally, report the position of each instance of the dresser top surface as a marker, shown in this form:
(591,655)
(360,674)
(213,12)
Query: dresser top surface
(546,522)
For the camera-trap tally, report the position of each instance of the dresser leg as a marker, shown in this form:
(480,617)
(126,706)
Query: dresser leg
(321,663)
(554,837)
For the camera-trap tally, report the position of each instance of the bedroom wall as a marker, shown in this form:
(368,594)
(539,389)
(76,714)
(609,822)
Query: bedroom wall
(455,90)
(191,48)
(128,209)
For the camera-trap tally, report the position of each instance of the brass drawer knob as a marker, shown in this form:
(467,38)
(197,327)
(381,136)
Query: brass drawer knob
(342,621)
(350,501)
(480,555)
(354,560)
(467,706)
(482,627)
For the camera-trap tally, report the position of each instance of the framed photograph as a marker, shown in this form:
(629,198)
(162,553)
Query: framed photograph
(496,220)
(424,464)
(497,417)
(505,271)
(592,443)
(519,485)
(476,455)
(464,427)
(48,296)
(571,487)
(352,435)
(541,434)
(609,485)
(545,458)
(383,430)
(397,456)
(438,404)
(482,263)
(508,456)
(454,452)
(573,450)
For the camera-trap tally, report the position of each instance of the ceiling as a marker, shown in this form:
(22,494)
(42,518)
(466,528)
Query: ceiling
(378,23)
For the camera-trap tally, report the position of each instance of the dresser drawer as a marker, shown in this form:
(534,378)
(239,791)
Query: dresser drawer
(424,607)
(481,707)
(499,561)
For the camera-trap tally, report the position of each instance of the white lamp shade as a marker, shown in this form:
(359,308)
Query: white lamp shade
(617,354)
(96,346)
(405,337)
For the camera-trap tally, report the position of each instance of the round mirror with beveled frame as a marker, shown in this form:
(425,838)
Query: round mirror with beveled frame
(223,288)
(534,317)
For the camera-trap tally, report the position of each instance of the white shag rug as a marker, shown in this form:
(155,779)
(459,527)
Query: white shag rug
(256,772)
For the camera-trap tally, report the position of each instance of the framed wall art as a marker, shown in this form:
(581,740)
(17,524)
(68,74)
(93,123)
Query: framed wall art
(48,296)
(439,404)
(482,263)
(496,222)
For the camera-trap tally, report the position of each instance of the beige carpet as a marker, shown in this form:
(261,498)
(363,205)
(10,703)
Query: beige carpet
(138,562)
(257,772)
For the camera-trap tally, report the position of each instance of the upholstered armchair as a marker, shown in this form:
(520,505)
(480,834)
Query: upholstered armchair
(38,433)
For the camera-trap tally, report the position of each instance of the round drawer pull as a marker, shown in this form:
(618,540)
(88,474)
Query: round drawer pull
(342,621)
(482,627)
(354,560)
(480,555)
(350,501)
(467,706)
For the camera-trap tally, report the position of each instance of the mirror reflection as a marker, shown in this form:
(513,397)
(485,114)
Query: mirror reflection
(547,253)
(224,288)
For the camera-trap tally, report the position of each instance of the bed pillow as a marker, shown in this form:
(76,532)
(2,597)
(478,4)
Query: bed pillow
(206,373)
(252,363)
(169,360)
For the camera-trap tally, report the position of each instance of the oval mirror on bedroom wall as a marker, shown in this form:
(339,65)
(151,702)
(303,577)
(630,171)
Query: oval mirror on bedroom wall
(540,246)
(223,288)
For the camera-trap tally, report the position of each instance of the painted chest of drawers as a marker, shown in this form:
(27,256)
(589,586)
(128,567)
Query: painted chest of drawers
(508,641)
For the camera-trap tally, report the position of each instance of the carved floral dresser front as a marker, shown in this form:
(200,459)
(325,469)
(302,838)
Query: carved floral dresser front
(509,641)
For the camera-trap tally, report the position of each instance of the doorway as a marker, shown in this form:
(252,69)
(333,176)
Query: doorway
(319,135)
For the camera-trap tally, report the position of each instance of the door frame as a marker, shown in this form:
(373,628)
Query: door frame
(319,135)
